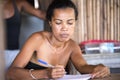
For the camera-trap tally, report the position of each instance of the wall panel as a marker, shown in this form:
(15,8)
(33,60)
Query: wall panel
(98,19)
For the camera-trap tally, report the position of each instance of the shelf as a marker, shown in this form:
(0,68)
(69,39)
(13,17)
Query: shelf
(111,60)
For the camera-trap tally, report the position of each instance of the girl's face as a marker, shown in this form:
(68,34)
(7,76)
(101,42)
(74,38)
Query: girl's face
(63,23)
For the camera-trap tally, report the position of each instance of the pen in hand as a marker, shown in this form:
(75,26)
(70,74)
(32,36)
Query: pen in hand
(47,64)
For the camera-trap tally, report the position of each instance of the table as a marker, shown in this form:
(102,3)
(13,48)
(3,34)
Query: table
(111,60)
(111,77)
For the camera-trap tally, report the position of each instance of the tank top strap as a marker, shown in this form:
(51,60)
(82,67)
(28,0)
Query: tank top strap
(15,6)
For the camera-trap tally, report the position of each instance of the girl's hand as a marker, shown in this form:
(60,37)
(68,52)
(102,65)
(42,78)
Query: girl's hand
(100,71)
(56,72)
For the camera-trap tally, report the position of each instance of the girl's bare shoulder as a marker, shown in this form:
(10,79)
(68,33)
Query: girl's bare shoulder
(40,35)
(73,44)
(37,38)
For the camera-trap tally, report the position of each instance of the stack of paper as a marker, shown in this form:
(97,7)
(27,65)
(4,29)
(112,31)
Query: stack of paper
(76,77)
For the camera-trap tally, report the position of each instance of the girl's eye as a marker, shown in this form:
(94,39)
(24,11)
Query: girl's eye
(58,23)
(70,23)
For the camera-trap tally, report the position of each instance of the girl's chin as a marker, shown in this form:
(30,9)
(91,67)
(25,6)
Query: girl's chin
(64,40)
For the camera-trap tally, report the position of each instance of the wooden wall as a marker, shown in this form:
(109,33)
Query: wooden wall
(98,19)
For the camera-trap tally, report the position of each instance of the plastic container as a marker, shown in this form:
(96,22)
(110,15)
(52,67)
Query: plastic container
(100,46)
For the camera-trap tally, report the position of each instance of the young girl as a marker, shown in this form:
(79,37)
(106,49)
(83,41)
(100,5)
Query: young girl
(55,48)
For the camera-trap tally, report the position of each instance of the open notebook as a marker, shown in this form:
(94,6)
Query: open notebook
(76,77)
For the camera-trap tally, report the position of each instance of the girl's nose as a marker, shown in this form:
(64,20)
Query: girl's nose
(64,26)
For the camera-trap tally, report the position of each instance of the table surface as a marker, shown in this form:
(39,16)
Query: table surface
(110,60)
(111,77)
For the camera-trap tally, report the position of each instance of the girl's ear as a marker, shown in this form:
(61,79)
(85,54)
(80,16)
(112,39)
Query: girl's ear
(50,23)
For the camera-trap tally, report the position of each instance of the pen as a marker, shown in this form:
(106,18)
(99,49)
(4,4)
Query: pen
(45,63)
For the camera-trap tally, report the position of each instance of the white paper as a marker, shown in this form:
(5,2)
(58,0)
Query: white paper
(76,77)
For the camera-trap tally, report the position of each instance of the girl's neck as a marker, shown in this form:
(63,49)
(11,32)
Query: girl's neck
(55,43)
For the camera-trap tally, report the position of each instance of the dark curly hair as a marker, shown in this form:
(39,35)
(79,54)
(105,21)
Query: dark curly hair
(58,4)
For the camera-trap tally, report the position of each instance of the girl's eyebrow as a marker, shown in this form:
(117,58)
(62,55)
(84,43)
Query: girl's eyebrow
(67,20)
(58,19)
(71,19)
